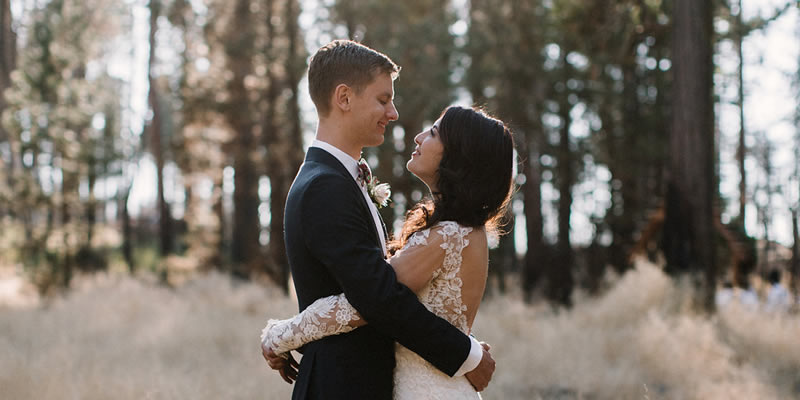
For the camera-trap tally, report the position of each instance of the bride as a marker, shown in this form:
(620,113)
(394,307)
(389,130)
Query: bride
(466,160)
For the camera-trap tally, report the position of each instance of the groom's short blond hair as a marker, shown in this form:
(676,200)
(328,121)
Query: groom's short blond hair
(347,62)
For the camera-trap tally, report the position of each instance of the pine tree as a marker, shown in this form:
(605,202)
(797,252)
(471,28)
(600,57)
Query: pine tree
(688,241)
(505,74)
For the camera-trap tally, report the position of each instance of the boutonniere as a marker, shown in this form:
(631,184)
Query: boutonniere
(380,193)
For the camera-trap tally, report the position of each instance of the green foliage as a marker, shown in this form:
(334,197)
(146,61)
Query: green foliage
(55,97)
(228,78)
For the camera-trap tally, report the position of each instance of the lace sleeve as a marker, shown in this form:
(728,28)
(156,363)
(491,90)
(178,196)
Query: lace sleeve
(327,316)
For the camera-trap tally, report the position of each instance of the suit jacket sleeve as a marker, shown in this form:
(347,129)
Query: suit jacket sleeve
(339,233)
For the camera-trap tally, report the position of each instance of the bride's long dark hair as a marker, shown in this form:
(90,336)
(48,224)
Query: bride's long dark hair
(475,176)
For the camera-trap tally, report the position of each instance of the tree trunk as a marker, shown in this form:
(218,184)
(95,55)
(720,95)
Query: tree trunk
(741,151)
(294,73)
(504,257)
(795,266)
(524,98)
(534,222)
(284,142)
(8,53)
(795,269)
(246,225)
(560,280)
(218,198)
(127,232)
(529,136)
(764,210)
(688,240)
(271,138)
(69,188)
(765,261)
(164,216)
(245,245)
(91,203)
(629,174)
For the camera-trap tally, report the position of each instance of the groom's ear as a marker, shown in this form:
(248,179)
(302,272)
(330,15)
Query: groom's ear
(341,97)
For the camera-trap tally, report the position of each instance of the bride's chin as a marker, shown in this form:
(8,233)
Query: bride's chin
(410,169)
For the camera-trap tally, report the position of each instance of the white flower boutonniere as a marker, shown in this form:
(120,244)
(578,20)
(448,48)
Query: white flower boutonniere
(380,193)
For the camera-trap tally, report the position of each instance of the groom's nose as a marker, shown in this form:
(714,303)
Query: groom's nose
(392,113)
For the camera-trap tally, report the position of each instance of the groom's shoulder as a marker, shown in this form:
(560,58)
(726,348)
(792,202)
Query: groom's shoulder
(321,179)
(317,172)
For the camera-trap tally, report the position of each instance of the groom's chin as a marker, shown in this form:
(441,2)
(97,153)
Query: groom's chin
(377,140)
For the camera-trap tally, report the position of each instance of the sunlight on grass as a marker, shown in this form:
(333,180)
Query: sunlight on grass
(123,338)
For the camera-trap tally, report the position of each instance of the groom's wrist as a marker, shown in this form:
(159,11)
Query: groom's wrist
(473,359)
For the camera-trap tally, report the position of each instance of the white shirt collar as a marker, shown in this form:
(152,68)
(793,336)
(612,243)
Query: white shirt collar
(348,162)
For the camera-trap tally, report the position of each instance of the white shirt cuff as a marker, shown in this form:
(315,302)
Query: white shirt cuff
(473,359)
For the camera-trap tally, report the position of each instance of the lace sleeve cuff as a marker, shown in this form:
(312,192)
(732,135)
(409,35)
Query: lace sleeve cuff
(327,316)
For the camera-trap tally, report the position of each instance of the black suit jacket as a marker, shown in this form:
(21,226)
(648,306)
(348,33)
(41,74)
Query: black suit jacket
(334,247)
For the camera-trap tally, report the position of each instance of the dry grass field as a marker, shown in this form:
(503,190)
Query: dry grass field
(115,337)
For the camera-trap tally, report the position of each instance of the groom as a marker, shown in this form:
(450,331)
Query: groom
(336,241)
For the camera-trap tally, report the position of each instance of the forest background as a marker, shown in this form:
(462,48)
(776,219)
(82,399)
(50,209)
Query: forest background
(146,149)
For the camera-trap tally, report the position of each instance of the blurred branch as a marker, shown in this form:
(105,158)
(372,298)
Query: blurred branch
(759,22)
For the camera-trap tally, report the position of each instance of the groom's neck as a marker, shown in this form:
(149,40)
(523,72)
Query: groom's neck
(335,135)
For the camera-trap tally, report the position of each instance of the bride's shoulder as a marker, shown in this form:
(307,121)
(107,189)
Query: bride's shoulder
(436,234)
(450,227)
(446,232)
(469,235)
(419,238)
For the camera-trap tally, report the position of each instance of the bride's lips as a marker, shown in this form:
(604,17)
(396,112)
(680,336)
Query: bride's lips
(415,153)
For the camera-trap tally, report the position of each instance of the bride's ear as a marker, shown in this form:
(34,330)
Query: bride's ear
(341,97)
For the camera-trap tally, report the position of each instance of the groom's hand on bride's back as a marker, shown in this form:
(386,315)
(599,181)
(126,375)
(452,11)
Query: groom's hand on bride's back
(482,374)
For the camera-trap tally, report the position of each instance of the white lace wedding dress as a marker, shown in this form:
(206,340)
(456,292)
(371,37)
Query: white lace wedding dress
(414,378)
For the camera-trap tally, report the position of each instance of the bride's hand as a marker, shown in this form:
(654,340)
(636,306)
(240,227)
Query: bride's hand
(285,364)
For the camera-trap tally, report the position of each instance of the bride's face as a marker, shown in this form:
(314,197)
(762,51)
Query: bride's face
(425,159)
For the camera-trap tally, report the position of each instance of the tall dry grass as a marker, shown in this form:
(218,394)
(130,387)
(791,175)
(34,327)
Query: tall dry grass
(640,341)
(126,338)
(120,338)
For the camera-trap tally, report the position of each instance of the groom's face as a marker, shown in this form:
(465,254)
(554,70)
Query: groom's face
(372,109)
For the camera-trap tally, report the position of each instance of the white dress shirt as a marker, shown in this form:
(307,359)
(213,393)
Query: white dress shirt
(351,165)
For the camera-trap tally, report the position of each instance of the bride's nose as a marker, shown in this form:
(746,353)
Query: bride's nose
(418,138)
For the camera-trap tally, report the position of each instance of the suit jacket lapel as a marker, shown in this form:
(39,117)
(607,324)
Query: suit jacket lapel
(383,226)
(323,157)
